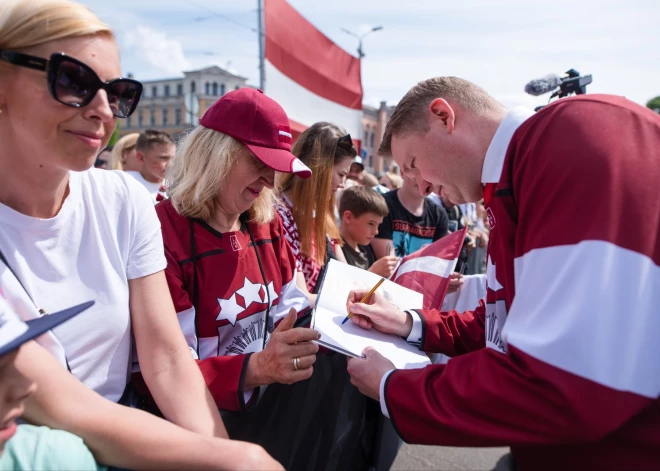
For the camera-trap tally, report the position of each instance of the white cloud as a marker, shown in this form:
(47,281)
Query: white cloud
(156,50)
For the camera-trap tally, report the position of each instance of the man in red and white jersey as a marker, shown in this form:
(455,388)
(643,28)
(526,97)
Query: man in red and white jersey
(569,376)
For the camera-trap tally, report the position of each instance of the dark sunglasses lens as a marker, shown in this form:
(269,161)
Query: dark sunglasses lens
(74,83)
(123,96)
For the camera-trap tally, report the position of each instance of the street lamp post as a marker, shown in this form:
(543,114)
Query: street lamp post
(361,37)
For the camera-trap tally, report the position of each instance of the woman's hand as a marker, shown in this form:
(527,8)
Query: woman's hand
(276,363)
(384,266)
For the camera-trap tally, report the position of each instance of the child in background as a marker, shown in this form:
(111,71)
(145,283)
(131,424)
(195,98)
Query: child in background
(361,210)
(27,447)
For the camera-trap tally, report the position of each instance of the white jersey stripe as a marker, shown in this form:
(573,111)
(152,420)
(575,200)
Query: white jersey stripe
(187,322)
(600,323)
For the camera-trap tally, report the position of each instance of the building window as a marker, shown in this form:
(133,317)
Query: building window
(177,116)
(154,91)
(373,138)
(192,87)
(152,117)
(128,122)
(164,116)
(371,160)
(167,90)
(179,89)
(215,89)
(140,120)
(366,136)
(207,88)
(222,89)
(237,87)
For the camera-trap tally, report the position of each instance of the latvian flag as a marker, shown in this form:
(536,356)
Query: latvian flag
(428,270)
(311,77)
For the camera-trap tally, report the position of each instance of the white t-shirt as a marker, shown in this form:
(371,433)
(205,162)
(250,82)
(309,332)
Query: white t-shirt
(152,188)
(105,234)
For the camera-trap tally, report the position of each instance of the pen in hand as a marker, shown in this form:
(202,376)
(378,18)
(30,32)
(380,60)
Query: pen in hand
(364,299)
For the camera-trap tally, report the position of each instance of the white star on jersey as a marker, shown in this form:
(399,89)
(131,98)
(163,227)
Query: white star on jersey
(251,293)
(229,309)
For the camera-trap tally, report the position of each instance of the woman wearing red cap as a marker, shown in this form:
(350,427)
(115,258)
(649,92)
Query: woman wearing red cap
(231,273)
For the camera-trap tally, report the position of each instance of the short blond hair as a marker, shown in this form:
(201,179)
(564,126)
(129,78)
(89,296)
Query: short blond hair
(28,23)
(410,114)
(201,166)
(123,145)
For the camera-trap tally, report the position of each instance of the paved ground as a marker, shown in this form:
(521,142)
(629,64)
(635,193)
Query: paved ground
(417,457)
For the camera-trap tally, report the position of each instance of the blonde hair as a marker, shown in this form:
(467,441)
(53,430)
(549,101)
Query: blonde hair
(200,168)
(25,24)
(410,114)
(312,199)
(123,145)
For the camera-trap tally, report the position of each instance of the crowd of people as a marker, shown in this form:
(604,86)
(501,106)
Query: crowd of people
(155,309)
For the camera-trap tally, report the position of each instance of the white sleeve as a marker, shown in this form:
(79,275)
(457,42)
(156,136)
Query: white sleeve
(383,405)
(146,254)
(415,336)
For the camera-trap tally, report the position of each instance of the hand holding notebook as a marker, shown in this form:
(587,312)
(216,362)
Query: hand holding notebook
(351,339)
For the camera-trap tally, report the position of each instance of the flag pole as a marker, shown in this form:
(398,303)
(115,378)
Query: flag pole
(260,18)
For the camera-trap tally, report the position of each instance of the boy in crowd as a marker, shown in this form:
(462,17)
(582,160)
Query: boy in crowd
(412,223)
(25,447)
(362,210)
(154,151)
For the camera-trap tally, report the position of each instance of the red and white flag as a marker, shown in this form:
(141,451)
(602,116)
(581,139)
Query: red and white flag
(428,270)
(311,77)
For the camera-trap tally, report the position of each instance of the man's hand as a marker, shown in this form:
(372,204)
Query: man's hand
(366,373)
(378,313)
(455,282)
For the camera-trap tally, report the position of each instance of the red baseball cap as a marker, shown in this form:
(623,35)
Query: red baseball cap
(261,124)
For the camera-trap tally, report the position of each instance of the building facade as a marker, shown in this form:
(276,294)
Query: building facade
(373,128)
(174,105)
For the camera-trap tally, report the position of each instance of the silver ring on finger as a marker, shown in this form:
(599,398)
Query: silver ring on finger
(296,364)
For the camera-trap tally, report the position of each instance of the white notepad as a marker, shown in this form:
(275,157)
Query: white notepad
(350,339)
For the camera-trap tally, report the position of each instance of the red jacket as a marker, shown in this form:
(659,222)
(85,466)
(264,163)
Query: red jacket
(570,376)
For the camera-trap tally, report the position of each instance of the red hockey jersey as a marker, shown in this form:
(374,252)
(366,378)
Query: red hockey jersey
(570,378)
(235,291)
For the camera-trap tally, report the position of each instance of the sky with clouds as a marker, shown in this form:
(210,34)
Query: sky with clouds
(498,44)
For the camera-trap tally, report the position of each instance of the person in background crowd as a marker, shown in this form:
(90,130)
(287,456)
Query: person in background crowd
(370,181)
(413,222)
(154,151)
(68,228)
(308,206)
(124,155)
(560,363)
(104,158)
(230,271)
(391,181)
(362,210)
(356,170)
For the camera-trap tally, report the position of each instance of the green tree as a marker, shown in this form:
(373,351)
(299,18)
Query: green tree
(654,104)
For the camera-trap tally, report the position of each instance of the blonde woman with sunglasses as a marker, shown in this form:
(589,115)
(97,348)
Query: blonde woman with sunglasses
(69,233)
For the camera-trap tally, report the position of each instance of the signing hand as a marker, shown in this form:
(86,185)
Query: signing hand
(378,313)
(276,364)
(366,373)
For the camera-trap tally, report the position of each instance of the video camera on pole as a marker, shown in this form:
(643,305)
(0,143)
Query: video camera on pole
(562,86)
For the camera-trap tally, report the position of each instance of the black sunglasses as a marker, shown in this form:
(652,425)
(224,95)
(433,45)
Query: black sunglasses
(74,83)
